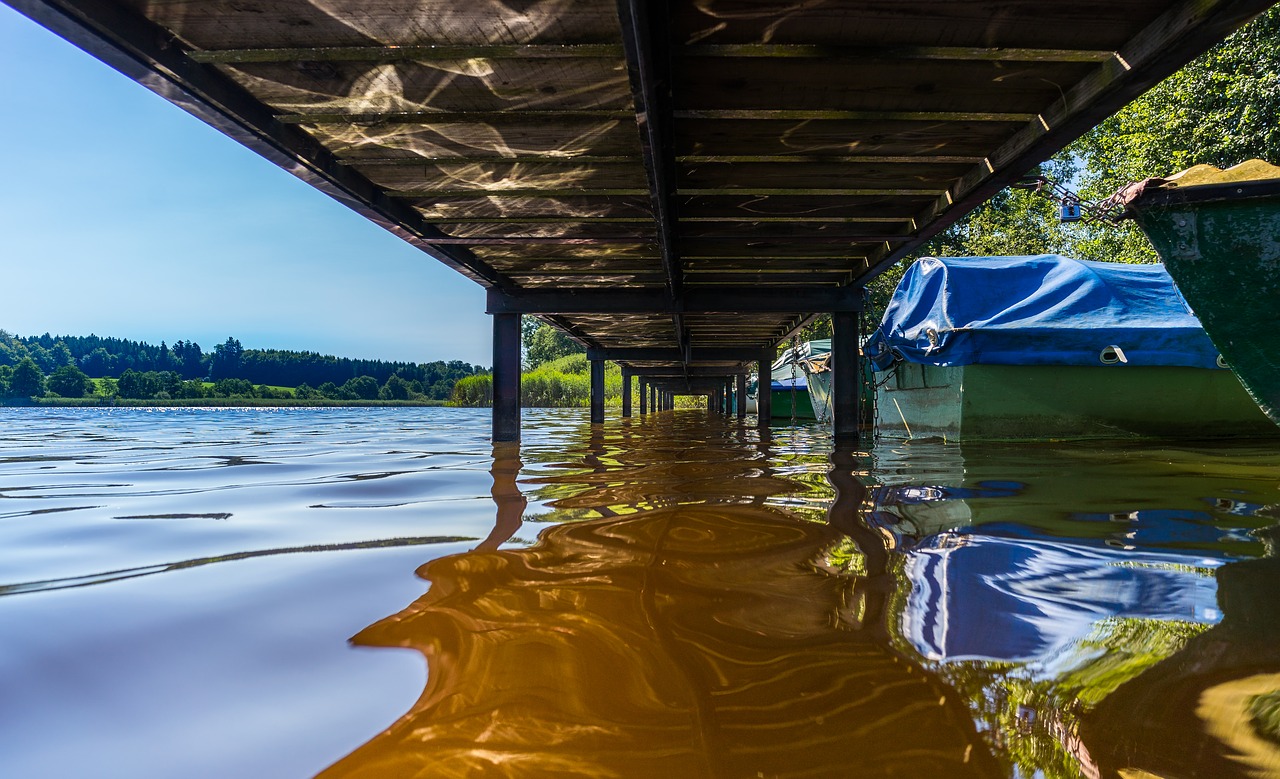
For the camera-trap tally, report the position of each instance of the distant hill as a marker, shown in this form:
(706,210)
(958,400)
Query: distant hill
(101,357)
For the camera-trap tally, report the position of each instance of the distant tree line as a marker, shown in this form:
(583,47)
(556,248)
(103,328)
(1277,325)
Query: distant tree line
(62,365)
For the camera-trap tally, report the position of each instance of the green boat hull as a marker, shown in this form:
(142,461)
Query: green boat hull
(1221,245)
(1051,402)
(781,401)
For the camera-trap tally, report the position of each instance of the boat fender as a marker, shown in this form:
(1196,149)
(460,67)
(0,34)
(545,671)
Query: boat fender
(1113,354)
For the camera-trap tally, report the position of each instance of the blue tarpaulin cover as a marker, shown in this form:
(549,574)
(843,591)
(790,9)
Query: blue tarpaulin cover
(1037,310)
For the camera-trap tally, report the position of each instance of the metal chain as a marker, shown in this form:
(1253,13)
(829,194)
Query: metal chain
(795,350)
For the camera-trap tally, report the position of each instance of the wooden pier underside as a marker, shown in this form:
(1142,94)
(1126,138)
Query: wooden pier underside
(680,177)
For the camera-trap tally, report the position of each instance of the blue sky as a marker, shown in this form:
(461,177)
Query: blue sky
(122,215)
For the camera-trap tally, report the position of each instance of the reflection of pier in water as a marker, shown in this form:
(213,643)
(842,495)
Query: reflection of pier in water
(706,637)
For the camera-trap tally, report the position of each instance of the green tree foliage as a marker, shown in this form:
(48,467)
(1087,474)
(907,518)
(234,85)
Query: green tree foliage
(70,382)
(396,388)
(361,387)
(149,385)
(111,357)
(27,380)
(233,388)
(545,343)
(226,360)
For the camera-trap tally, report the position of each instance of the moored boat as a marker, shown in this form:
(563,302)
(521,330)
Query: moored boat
(1047,347)
(789,382)
(1218,233)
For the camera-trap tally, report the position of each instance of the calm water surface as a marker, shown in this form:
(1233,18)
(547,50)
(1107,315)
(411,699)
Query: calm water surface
(382,593)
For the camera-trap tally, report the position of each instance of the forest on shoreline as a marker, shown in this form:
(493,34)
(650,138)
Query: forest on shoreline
(93,370)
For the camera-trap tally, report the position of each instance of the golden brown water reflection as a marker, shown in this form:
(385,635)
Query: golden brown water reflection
(696,630)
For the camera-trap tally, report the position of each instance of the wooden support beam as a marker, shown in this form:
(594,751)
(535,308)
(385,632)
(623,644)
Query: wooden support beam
(722,299)
(683,373)
(845,387)
(425,194)
(506,377)
(809,192)
(490,118)
(741,396)
(643,392)
(425,53)
(597,392)
(799,115)
(539,240)
(550,158)
(567,219)
(667,354)
(645,41)
(860,53)
(764,393)
(626,393)
(870,159)
(754,219)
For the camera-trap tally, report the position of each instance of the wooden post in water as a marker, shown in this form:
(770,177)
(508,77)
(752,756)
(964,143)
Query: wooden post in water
(643,387)
(764,396)
(741,396)
(626,393)
(506,377)
(844,375)
(597,392)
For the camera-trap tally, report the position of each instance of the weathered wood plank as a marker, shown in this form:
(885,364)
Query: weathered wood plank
(236,24)
(821,175)
(520,175)
(561,138)
(469,87)
(409,53)
(839,115)
(776,137)
(479,205)
(1100,25)
(954,91)
(879,53)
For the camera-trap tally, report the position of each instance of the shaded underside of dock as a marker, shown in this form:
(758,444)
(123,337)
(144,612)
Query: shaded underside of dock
(679,185)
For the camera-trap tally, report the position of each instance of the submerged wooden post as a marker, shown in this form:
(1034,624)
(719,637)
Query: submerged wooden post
(764,396)
(643,387)
(728,398)
(626,393)
(741,395)
(844,374)
(506,377)
(597,392)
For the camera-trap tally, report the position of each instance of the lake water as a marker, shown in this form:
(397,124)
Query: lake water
(382,593)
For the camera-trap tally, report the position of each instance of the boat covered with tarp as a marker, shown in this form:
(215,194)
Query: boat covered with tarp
(1047,346)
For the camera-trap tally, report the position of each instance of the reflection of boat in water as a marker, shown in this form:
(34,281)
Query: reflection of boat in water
(1218,233)
(1048,347)
(1006,599)
(1102,602)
